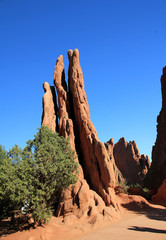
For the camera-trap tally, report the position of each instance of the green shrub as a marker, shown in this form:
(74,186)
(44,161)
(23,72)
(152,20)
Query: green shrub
(37,174)
(136,185)
(122,187)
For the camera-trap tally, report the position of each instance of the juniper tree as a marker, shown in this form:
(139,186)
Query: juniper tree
(37,174)
(55,169)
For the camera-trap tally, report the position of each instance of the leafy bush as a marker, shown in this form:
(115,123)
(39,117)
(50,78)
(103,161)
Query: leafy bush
(122,187)
(136,185)
(37,174)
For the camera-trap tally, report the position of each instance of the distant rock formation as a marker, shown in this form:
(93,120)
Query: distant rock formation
(157,172)
(110,149)
(132,165)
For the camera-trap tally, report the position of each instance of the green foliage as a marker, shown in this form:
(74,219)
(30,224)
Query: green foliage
(37,174)
(146,190)
(6,171)
(136,185)
(122,186)
(55,166)
(147,193)
(11,186)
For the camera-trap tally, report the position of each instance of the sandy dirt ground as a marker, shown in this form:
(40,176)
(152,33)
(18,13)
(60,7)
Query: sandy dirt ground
(134,226)
(139,220)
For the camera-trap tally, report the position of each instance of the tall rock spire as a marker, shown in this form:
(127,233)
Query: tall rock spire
(95,161)
(157,172)
(49,117)
(78,198)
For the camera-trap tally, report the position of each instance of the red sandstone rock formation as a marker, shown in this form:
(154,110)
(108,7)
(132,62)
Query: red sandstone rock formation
(130,162)
(157,172)
(75,123)
(49,107)
(110,148)
(65,122)
(160,197)
(95,161)
(98,173)
(78,199)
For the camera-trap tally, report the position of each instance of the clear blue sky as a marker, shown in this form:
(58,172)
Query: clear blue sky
(122,45)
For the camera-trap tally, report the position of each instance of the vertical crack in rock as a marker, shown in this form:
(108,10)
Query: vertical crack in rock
(157,172)
(55,106)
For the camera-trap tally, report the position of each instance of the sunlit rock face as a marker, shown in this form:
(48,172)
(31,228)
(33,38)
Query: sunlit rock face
(49,117)
(157,172)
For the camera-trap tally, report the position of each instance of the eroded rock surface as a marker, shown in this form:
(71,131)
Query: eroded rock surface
(160,197)
(65,122)
(130,162)
(157,172)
